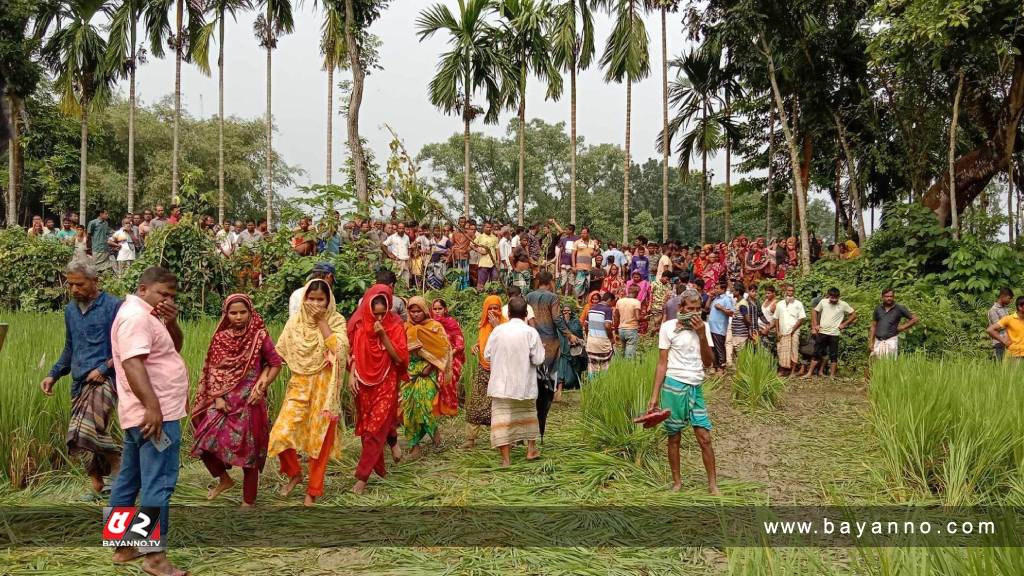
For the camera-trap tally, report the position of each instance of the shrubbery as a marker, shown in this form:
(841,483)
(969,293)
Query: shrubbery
(30,271)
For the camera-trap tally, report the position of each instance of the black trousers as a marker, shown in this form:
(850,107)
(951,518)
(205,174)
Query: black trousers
(718,341)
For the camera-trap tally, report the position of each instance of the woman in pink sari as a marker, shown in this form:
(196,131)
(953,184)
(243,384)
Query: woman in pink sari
(229,414)
(714,271)
(439,310)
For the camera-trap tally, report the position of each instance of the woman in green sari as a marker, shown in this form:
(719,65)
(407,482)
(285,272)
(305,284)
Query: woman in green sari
(431,390)
(568,365)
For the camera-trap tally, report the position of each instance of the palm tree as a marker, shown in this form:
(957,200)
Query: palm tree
(572,38)
(474,61)
(77,53)
(269,26)
(158,26)
(664,7)
(219,11)
(696,97)
(125,57)
(626,58)
(332,46)
(524,25)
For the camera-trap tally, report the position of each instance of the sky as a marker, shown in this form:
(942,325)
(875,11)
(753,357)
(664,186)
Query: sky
(397,95)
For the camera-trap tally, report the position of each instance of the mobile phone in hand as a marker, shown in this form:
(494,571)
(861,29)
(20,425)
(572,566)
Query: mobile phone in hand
(162,442)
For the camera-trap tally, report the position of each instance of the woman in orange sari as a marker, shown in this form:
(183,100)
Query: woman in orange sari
(431,391)
(379,361)
(478,405)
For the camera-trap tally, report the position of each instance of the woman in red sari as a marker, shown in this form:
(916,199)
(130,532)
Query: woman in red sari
(380,360)
(229,414)
(439,310)
(614,282)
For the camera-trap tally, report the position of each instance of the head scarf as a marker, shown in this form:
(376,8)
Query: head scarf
(852,251)
(230,355)
(302,345)
(370,360)
(643,285)
(587,304)
(451,327)
(486,328)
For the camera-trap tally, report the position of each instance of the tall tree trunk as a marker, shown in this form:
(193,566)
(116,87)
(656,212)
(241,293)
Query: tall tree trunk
(13,164)
(771,176)
(855,201)
(572,136)
(131,113)
(952,156)
(83,163)
(704,179)
(465,160)
(664,124)
(269,136)
(975,169)
(522,142)
(1011,141)
(837,201)
(355,101)
(625,173)
(179,15)
(329,164)
(794,158)
(220,123)
(728,174)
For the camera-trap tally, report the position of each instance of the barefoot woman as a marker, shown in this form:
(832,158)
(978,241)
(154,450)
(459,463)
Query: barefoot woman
(430,392)
(229,415)
(314,345)
(380,360)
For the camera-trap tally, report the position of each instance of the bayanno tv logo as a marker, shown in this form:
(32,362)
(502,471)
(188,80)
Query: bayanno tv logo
(132,526)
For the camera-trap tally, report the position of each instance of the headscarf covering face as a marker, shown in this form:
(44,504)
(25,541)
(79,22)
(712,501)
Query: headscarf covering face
(302,344)
(231,353)
(370,359)
(486,328)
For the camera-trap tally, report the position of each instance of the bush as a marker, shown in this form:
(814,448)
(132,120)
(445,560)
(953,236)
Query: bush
(757,384)
(30,277)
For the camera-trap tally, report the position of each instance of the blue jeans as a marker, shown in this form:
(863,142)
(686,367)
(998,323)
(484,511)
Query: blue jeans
(148,474)
(629,336)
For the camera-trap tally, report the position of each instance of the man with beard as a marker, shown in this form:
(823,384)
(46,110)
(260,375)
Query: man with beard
(87,357)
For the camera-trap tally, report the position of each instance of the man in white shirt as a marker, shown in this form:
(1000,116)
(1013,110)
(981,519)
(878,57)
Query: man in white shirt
(511,293)
(322,271)
(789,317)
(505,246)
(122,240)
(514,351)
(684,354)
(396,246)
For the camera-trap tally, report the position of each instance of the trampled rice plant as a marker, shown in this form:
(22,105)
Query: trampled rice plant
(610,401)
(949,429)
(757,384)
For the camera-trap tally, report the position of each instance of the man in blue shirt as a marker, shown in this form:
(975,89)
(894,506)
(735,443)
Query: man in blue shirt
(722,308)
(99,232)
(87,357)
(617,256)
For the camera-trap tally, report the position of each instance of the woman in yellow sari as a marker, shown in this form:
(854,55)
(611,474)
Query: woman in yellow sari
(852,251)
(314,344)
(430,391)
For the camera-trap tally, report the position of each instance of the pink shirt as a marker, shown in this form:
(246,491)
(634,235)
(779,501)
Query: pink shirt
(136,332)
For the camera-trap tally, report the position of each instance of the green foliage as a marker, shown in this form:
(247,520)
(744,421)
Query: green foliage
(757,384)
(910,243)
(30,277)
(611,400)
(949,429)
(204,276)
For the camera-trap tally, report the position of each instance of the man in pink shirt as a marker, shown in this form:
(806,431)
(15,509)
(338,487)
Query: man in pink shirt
(152,390)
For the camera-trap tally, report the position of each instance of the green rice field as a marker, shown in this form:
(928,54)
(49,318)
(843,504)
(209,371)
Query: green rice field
(922,431)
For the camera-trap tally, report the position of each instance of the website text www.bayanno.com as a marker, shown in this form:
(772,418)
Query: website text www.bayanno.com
(861,529)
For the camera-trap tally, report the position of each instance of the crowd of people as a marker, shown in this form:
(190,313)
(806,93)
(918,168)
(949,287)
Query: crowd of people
(570,309)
